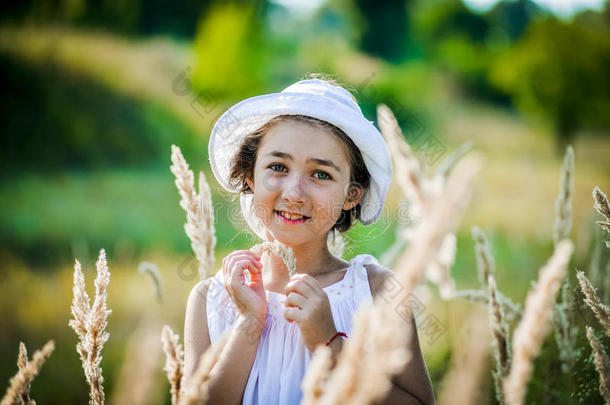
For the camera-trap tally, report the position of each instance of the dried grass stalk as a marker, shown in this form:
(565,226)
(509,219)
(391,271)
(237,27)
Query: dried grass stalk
(174,361)
(602,364)
(90,323)
(532,329)
(199,226)
(318,372)
(442,218)
(512,310)
(196,388)
(367,361)
(500,343)
(19,386)
(405,161)
(563,204)
(485,260)
(601,311)
(565,334)
(151,271)
(280,250)
(439,271)
(137,382)
(446,166)
(603,207)
(463,383)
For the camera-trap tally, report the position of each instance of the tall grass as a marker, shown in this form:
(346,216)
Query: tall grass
(377,349)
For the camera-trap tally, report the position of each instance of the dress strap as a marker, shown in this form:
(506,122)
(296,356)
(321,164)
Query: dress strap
(359,276)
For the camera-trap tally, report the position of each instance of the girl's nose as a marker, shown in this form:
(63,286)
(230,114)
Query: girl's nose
(293,191)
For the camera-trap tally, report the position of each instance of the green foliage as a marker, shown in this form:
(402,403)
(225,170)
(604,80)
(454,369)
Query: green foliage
(229,58)
(44,217)
(52,119)
(385,28)
(558,71)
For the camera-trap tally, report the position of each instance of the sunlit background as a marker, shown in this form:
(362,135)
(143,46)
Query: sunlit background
(95,92)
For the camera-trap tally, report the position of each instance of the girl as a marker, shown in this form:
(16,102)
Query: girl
(306,164)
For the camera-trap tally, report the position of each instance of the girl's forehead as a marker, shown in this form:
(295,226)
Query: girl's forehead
(302,138)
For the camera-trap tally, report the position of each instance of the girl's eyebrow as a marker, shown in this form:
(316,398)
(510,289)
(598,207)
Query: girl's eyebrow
(323,162)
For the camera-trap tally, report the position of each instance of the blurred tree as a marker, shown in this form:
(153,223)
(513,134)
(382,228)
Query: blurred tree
(229,58)
(559,71)
(178,17)
(513,16)
(385,28)
(457,39)
(52,120)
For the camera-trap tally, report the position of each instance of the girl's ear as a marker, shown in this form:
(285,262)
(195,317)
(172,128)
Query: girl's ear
(250,184)
(353,198)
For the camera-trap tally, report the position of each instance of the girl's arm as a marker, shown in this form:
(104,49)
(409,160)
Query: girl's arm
(230,374)
(412,384)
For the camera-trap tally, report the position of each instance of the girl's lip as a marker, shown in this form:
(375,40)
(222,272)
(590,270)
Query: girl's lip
(291,221)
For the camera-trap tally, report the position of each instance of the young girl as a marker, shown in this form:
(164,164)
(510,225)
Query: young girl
(306,164)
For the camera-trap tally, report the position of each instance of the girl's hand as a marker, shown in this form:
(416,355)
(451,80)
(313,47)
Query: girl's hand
(308,305)
(250,299)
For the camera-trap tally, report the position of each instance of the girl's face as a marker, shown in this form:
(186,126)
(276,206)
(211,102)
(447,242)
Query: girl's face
(303,170)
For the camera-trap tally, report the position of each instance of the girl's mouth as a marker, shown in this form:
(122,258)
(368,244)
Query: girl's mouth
(288,220)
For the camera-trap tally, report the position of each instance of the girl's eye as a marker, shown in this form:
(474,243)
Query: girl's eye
(275,165)
(325,175)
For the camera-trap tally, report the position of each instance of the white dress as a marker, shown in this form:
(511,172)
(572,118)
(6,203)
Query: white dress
(282,357)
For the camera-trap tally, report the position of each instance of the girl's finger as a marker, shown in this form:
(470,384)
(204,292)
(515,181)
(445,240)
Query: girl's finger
(312,282)
(293,314)
(301,287)
(296,299)
(237,275)
(231,263)
(256,275)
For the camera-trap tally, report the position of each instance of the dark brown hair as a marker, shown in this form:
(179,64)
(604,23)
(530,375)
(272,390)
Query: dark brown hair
(242,165)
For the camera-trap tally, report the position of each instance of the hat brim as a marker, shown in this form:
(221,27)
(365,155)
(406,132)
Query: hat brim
(250,114)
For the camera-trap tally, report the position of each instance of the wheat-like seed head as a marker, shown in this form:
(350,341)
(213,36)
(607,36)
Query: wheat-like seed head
(196,388)
(137,382)
(485,260)
(512,310)
(280,250)
(19,385)
(199,212)
(463,381)
(405,161)
(601,311)
(565,333)
(314,382)
(603,207)
(439,270)
(174,363)
(563,204)
(90,323)
(499,329)
(151,271)
(532,329)
(602,364)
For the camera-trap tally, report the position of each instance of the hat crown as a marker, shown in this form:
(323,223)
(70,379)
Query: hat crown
(325,89)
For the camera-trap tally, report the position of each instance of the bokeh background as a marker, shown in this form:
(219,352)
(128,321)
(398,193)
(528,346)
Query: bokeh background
(94,92)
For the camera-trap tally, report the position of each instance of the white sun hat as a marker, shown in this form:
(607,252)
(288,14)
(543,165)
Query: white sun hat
(314,98)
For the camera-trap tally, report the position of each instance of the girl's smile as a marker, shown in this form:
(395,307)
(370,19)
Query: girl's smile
(291,218)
